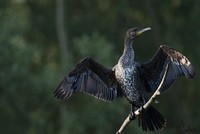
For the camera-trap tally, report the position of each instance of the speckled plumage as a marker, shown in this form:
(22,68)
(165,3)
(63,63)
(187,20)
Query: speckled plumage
(127,79)
(125,72)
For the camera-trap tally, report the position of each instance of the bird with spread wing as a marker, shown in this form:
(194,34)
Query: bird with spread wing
(136,81)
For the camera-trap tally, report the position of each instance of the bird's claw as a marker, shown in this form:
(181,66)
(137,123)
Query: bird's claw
(132,116)
(141,109)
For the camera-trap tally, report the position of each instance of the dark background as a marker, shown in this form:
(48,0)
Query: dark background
(41,40)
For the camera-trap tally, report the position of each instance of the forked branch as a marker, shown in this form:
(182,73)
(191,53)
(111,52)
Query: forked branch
(145,106)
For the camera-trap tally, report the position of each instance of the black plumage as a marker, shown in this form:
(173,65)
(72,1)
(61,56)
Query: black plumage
(91,78)
(136,81)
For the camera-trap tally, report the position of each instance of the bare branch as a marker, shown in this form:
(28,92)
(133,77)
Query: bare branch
(145,106)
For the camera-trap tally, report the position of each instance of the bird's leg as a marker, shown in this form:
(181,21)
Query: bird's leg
(141,109)
(132,115)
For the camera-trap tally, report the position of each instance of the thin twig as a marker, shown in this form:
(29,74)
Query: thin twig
(145,106)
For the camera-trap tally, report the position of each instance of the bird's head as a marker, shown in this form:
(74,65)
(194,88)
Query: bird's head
(135,32)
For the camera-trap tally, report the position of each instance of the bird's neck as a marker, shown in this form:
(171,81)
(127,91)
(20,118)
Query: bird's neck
(128,54)
(128,49)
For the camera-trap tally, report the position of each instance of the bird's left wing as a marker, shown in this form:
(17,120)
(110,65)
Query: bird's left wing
(152,72)
(91,78)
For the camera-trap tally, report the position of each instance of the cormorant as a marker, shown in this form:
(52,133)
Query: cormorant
(136,81)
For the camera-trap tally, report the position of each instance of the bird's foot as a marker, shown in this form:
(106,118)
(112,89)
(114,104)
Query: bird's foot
(141,109)
(132,116)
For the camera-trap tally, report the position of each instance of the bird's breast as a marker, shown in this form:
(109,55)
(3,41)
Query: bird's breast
(127,78)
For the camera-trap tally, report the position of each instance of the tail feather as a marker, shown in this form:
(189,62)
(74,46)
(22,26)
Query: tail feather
(151,120)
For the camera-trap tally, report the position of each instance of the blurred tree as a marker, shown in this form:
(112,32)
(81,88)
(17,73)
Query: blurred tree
(26,82)
(32,57)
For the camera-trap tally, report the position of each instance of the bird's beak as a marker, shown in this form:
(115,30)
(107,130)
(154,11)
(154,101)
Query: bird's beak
(143,30)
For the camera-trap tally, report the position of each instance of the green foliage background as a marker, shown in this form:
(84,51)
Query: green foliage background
(32,66)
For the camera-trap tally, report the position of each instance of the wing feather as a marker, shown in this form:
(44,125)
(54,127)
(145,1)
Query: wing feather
(91,78)
(152,71)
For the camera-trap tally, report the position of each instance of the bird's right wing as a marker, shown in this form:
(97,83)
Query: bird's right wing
(152,71)
(91,78)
